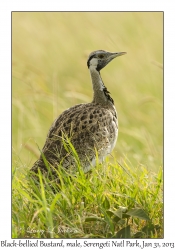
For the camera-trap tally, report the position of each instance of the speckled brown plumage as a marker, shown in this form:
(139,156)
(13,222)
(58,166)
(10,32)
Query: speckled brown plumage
(91,127)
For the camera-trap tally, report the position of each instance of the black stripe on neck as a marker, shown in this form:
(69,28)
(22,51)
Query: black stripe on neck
(107,94)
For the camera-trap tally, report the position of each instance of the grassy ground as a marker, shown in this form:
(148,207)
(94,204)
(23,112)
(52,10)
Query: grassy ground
(49,74)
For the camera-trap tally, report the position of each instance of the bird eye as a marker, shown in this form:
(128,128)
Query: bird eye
(101,56)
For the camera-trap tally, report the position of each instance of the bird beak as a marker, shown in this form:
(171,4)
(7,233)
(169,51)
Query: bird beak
(110,56)
(115,54)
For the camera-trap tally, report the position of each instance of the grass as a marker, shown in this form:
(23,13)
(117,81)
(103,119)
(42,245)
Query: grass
(122,197)
(109,202)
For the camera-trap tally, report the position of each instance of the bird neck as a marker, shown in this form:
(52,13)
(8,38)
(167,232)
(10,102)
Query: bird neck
(101,94)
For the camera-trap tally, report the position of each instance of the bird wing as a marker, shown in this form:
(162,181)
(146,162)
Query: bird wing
(87,126)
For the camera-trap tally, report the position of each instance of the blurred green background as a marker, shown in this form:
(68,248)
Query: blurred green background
(50,74)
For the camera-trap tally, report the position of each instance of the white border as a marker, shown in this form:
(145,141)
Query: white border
(5,92)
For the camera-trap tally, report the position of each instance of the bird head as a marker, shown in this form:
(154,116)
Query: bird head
(100,58)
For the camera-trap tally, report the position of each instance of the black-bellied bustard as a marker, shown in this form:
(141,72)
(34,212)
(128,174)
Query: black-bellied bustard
(91,128)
